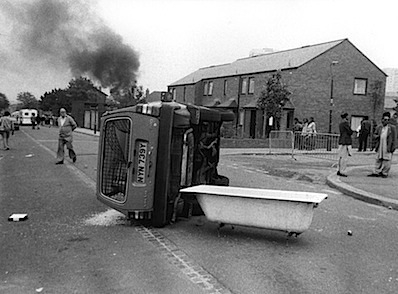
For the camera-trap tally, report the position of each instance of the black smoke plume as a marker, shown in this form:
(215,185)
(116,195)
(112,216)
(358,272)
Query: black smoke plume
(69,34)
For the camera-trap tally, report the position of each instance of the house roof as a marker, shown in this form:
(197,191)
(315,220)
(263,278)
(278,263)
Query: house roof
(231,103)
(292,58)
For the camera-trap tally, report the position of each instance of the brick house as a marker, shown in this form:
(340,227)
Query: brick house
(312,74)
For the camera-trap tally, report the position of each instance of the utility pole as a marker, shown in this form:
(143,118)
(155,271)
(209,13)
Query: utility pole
(329,144)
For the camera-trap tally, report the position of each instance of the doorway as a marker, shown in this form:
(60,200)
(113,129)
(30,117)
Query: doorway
(253,119)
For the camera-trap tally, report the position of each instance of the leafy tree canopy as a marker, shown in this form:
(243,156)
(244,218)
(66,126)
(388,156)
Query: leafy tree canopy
(27,100)
(83,89)
(377,96)
(274,97)
(4,103)
(79,89)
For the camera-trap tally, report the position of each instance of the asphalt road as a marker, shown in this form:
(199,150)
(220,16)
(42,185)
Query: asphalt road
(60,250)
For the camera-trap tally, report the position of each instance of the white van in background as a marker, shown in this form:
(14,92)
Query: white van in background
(26,116)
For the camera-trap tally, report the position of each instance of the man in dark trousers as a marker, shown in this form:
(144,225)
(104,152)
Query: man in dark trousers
(345,142)
(386,137)
(66,126)
(364,134)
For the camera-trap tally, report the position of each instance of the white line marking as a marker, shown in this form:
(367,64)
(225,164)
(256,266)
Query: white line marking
(361,218)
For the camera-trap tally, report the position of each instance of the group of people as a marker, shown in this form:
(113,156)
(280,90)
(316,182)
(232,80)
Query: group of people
(304,133)
(384,138)
(66,125)
(39,120)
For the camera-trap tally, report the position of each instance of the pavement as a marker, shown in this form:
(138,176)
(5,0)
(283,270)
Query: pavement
(378,191)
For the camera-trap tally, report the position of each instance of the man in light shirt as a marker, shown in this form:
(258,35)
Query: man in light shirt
(386,137)
(66,126)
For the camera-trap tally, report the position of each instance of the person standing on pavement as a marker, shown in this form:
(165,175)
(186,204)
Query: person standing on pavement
(33,121)
(38,121)
(6,127)
(345,142)
(66,126)
(386,137)
(394,121)
(364,134)
(311,129)
(304,134)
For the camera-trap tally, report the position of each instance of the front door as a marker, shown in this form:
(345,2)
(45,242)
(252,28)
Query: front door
(253,119)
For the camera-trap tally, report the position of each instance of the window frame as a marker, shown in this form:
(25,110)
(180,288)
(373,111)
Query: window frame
(355,90)
(243,86)
(355,121)
(225,87)
(205,88)
(250,88)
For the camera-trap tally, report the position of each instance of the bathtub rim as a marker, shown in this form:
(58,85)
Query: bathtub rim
(284,195)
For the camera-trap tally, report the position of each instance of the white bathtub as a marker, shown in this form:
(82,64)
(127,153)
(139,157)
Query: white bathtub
(289,211)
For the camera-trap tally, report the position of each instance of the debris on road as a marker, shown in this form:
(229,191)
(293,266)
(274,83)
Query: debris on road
(29,155)
(349,233)
(16,217)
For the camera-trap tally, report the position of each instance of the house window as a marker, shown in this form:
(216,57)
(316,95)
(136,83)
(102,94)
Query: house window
(210,89)
(360,86)
(205,89)
(183,97)
(356,122)
(174,93)
(244,86)
(225,86)
(251,85)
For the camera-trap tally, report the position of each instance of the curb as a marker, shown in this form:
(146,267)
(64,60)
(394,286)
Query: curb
(333,181)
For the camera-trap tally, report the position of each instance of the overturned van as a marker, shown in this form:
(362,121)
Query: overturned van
(148,152)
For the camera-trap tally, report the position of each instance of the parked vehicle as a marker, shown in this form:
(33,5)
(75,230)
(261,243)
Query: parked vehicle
(26,116)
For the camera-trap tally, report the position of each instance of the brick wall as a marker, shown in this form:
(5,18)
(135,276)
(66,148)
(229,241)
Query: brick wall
(310,85)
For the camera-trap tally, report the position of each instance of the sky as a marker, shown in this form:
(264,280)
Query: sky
(172,38)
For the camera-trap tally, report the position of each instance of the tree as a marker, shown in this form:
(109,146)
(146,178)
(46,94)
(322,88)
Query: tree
(4,103)
(79,89)
(82,89)
(52,101)
(273,98)
(27,100)
(377,96)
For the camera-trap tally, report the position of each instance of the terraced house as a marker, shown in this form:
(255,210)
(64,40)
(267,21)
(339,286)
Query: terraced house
(325,80)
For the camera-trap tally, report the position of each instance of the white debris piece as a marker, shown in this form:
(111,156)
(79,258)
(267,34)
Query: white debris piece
(16,217)
(29,155)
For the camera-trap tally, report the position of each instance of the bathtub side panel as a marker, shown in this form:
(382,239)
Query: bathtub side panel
(262,213)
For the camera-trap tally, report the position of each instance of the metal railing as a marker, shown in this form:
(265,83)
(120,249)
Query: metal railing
(319,145)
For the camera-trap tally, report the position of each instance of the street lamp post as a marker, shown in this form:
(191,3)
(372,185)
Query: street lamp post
(329,145)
